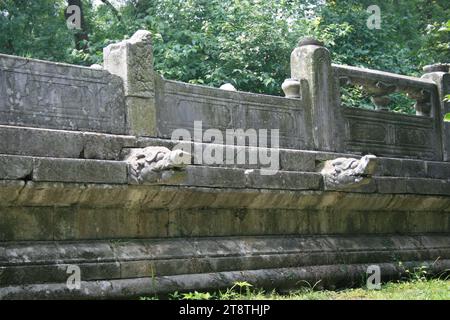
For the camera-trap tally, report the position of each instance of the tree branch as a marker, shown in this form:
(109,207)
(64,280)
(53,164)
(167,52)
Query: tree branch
(113,9)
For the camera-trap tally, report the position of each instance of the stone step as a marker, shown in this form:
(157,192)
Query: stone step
(115,172)
(270,279)
(28,141)
(37,142)
(62,170)
(46,263)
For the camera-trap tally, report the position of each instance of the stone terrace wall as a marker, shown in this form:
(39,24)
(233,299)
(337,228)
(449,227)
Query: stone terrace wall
(58,96)
(69,193)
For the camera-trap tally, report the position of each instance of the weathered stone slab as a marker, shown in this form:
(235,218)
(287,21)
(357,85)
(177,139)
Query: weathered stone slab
(58,273)
(438,170)
(62,143)
(214,177)
(26,223)
(401,168)
(107,195)
(10,191)
(40,142)
(360,202)
(180,104)
(13,167)
(412,186)
(59,96)
(297,161)
(391,185)
(79,211)
(283,180)
(391,134)
(48,194)
(202,176)
(161,256)
(428,186)
(74,170)
(105,146)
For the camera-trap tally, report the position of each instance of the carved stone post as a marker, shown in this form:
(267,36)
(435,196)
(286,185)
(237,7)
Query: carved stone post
(439,73)
(311,62)
(132,60)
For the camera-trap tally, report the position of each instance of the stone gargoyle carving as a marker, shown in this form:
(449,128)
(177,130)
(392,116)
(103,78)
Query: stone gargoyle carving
(343,173)
(150,165)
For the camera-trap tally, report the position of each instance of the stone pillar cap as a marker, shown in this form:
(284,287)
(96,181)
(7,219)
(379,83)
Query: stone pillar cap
(437,67)
(309,41)
(141,36)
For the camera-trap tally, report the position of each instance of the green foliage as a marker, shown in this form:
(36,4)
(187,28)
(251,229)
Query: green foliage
(403,43)
(196,296)
(355,97)
(447,117)
(418,282)
(417,287)
(418,273)
(247,43)
(239,290)
(402,104)
(35,29)
(244,42)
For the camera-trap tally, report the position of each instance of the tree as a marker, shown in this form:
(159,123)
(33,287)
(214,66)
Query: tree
(245,42)
(34,29)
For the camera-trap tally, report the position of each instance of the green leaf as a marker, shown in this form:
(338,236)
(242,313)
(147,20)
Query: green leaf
(447,117)
(242,284)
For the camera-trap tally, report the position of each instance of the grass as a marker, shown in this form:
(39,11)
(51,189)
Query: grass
(424,290)
(417,286)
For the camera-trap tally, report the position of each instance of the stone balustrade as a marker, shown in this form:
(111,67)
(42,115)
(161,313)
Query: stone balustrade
(379,85)
(89,176)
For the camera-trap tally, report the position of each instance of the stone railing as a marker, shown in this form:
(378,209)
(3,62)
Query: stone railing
(128,97)
(342,129)
(392,134)
(379,85)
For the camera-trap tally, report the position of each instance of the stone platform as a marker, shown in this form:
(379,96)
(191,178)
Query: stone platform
(135,268)
(352,187)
